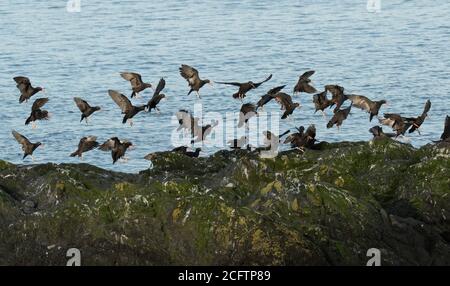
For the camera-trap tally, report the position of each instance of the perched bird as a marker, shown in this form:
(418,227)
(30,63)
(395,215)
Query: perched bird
(303,84)
(85,108)
(200,133)
(339,117)
(398,123)
(362,102)
(157,96)
(27,147)
(378,133)
(194,81)
(137,85)
(321,102)
(37,113)
(186,121)
(117,148)
(338,96)
(272,140)
(125,105)
(418,121)
(302,139)
(446,134)
(285,100)
(248,110)
(268,96)
(193,154)
(245,87)
(180,149)
(238,143)
(86,144)
(26,89)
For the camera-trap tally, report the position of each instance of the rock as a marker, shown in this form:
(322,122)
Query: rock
(326,206)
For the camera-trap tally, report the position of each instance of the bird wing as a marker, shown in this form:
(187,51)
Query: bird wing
(160,87)
(307,74)
(360,101)
(108,145)
(311,131)
(38,103)
(189,73)
(20,138)
(23,83)
(284,99)
(276,90)
(427,108)
(248,107)
(229,83)
(259,83)
(121,100)
(446,134)
(308,88)
(134,78)
(82,104)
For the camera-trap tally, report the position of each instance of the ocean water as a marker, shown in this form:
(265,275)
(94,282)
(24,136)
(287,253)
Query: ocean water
(400,54)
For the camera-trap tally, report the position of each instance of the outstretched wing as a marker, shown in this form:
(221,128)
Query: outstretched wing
(189,73)
(81,104)
(23,83)
(134,78)
(160,87)
(20,138)
(108,145)
(307,74)
(427,108)
(276,90)
(38,103)
(360,101)
(121,100)
(259,83)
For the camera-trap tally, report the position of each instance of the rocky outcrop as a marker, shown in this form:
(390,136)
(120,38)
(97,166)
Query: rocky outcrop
(320,207)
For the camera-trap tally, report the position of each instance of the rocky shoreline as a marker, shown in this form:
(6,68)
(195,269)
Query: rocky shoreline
(320,207)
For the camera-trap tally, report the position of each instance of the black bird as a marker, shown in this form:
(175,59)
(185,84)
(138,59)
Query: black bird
(364,103)
(137,85)
(180,149)
(285,100)
(269,96)
(378,133)
(157,96)
(125,105)
(398,123)
(117,148)
(248,110)
(85,108)
(27,147)
(339,117)
(187,121)
(37,113)
(193,154)
(245,87)
(418,121)
(152,156)
(446,134)
(200,133)
(238,143)
(86,144)
(303,84)
(26,89)
(302,139)
(193,78)
(338,96)
(321,102)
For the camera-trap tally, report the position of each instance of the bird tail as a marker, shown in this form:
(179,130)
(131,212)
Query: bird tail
(190,91)
(74,154)
(329,124)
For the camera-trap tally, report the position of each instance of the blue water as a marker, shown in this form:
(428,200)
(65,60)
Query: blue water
(400,54)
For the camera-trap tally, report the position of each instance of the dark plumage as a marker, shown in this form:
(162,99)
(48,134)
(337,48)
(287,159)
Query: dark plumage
(125,105)
(248,110)
(186,121)
(446,134)
(238,143)
(245,87)
(157,96)
(193,154)
(137,85)
(418,121)
(200,133)
(338,96)
(37,113)
(285,100)
(321,102)
(85,108)
(86,144)
(302,139)
(193,78)
(303,84)
(378,133)
(339,117)
(364,103)
(398,123)
(117,148)
(26,89)
(27,147)
(269,96)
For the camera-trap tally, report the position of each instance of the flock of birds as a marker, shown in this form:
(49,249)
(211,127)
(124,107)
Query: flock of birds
(188,123)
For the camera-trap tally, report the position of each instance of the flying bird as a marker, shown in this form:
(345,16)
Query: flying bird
(339,116)
(248,110)
(157,96)
(26,89)
(137,85)
(338,96)
(27,147)
(379,134)
(125,105)
(321,102)
(186,121)
(398,123)
(285,100)
(117,148)
(303,84)
(244,87)
(193,78)
(86,144)
(418,121)
(301,139)
(37,113)
(364,103)
(200,133)
(269,96)
(85,108)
